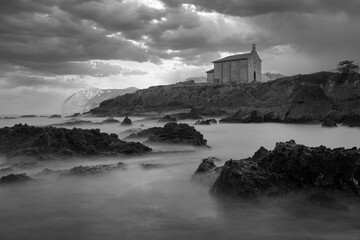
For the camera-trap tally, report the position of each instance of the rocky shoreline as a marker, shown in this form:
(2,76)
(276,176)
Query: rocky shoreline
(52,143)
(296,99)
(289,167)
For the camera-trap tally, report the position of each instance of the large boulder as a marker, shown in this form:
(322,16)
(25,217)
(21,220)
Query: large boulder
(291,167)
(179,134)
(48,142)
(171,133)
(110,120)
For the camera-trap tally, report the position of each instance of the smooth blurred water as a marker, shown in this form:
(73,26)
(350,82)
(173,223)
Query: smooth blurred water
(163,203)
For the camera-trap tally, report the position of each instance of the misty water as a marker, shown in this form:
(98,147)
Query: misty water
(163,203)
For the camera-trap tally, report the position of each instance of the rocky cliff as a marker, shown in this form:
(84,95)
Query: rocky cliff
(299,98)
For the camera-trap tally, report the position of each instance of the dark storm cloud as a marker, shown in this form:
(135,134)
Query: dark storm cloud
(246,8)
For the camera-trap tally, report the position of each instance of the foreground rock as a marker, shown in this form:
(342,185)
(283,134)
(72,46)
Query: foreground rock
(15,178)
(172,133)
(48,142)
(289,167)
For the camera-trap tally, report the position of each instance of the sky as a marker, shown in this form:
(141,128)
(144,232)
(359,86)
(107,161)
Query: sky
(50,49)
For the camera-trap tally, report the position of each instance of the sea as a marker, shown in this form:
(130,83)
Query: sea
(163,203)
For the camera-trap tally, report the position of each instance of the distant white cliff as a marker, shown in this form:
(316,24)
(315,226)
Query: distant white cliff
(84,100)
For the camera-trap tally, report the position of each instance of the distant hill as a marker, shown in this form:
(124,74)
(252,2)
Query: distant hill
(84,100)
(271,76)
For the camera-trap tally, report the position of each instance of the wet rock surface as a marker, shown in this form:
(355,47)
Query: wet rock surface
(15,178)
(288,167)
(48,142)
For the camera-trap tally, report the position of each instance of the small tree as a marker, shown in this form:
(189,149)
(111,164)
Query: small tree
(346,67)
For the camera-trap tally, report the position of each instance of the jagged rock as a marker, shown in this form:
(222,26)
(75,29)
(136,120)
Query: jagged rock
(111,120)
(151,165)
(126,121)
(291,167)
(90,170)
(352,120)
(15,178)
(207,172)
(259,154)
(24,140)
(55,116)
(328,123)
(167,118)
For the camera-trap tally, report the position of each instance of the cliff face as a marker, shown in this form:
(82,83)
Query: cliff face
(300,97)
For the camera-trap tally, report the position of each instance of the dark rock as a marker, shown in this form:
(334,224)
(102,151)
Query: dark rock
(171,133)
(206,121)
(126,121)
(260,154)
(207,172)
(111,120)
(206,165)
(55,116)
(15,178)
(150,165)
(10,118)
(24,140)
(352,120)
(328,123)
(179,134)
(291,167)
(167,118)
(91,170)
(28,116)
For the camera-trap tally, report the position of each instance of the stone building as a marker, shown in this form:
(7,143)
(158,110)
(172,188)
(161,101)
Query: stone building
(242,68)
